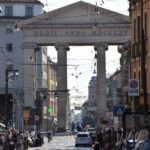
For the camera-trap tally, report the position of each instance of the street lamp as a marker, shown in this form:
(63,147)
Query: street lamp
(9,74)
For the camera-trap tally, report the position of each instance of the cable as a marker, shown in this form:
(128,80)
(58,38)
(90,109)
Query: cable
(46,4)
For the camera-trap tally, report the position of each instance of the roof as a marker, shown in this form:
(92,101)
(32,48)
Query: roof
(80,13)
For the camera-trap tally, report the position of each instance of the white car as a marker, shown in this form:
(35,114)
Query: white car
(83,138)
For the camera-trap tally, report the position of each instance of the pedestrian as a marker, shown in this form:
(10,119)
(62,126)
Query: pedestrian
(49,136)
(100,139)
(7,138)
(96,146)
(40,138)
(25,143)
(72,127)
(14,139)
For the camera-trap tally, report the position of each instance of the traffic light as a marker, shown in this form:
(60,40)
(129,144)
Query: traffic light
(50,110)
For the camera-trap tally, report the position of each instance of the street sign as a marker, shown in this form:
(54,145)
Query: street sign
(133,87)
(26,115)
(118,110)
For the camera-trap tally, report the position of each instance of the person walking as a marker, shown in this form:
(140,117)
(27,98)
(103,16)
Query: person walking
(72,127)
(25,143)
(49,136)
(96,146)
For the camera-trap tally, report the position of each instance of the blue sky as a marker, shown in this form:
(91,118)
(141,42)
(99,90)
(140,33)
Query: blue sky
(83,57)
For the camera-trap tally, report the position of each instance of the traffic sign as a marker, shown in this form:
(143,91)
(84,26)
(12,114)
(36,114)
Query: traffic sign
(118,110)
(26,115)
(133,88)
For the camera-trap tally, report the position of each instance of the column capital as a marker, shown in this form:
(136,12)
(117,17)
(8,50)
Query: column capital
(98,46)
(63,46)
(29,45)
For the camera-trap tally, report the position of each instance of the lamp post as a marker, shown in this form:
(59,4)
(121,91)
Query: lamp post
(14,73)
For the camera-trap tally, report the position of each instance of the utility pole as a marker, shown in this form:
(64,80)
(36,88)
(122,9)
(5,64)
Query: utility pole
(143,70)
(6,98)
(14,73)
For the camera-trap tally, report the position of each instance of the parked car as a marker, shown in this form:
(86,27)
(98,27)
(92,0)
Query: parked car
(83,138)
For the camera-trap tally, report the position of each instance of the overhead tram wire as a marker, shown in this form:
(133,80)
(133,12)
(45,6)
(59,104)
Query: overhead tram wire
(47,5)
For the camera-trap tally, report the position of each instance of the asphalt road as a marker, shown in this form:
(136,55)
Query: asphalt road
(61,142)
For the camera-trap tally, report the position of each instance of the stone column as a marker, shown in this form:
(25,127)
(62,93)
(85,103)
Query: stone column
(62,90)
(101,81)
(29,74)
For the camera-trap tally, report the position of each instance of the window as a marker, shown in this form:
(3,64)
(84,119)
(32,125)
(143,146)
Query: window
(145,23)
(8,11)
(29,11)
(134,30)
(139,29)
(139,34)
(9,47)
(82,135)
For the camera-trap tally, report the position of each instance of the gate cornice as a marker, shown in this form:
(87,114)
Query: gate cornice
(77,34)
(89,26)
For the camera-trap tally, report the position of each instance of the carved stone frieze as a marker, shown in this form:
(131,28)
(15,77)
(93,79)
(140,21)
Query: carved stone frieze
(78,32)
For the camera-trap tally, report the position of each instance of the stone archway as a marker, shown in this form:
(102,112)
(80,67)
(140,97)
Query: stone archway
(76,24)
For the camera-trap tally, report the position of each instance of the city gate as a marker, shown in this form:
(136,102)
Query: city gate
(76,24)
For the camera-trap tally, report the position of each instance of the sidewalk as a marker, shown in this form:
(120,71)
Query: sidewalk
(46,145)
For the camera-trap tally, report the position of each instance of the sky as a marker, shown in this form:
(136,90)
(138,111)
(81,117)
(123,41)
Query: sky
(81,62)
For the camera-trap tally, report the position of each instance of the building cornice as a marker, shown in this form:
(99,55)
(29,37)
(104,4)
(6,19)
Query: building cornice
(20,1)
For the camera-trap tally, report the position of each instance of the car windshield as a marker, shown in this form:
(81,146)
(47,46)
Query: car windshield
(82,135)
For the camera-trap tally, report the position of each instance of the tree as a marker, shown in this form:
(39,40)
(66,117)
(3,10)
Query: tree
(89,119)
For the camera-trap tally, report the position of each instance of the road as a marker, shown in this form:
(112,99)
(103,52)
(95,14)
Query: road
(61,142)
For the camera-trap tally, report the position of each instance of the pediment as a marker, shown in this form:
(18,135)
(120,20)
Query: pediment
(79,13)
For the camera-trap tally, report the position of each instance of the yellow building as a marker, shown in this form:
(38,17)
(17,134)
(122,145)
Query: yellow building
(140,51)
(52,85)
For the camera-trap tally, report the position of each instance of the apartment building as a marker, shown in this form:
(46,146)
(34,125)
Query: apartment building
(11,54)
(140,52)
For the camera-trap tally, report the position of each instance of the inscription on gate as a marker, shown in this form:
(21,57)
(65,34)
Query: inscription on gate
(76,33)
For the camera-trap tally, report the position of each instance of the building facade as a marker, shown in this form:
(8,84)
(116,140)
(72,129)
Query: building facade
(12,54)
(52,97)
(140,64)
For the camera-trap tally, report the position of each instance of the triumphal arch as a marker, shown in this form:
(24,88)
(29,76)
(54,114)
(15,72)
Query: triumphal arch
(76,24)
